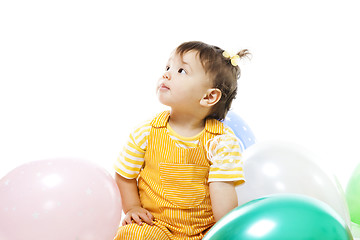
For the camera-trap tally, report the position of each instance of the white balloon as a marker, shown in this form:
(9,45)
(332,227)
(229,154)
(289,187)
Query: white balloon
(278,167)
(355,229)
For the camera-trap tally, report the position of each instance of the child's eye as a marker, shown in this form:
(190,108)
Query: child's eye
(167,68)
(181,70)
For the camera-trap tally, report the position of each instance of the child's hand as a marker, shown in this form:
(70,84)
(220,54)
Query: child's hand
(138,215)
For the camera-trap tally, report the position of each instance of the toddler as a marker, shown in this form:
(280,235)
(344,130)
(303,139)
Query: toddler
(178,171)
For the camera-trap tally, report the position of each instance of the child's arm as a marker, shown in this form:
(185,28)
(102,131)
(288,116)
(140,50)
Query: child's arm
(223,198)
(131,202)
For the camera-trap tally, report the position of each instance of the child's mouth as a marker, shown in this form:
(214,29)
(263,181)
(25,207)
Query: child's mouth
(164,87)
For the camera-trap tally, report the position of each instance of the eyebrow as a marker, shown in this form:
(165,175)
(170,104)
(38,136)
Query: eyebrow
(182,62)
(185,63)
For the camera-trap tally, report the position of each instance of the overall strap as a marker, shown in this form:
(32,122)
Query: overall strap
(213,128)
(160,120)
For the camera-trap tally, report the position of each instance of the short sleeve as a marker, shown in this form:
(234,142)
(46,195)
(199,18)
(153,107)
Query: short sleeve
(131,159)
(224,153)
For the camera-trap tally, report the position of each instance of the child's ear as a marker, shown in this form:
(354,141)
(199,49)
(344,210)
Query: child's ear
(211,97)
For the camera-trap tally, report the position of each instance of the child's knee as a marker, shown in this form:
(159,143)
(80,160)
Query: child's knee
(136,232)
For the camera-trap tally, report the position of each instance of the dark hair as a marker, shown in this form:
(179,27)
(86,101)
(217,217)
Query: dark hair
(222,73)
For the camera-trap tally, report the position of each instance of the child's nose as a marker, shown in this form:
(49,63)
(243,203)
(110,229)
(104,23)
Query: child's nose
(166,75)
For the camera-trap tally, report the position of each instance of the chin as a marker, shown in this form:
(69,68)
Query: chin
(164,101)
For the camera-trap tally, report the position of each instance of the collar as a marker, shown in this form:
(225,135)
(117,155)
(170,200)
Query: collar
(212,125)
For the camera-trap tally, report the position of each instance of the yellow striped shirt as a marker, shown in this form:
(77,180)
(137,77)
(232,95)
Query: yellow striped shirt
(223,151)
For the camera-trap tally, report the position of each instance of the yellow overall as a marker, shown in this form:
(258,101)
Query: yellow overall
(173,186)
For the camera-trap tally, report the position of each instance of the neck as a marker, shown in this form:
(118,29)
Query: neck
(186,125)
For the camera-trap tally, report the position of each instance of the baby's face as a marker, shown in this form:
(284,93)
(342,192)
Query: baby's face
(184,82)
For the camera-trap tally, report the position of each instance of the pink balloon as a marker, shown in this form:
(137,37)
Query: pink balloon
(59,199)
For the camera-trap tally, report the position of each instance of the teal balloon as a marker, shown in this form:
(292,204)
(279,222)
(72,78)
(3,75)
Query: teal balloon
(353,195)
(281,217)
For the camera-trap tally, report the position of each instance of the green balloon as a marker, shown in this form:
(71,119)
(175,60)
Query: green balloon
(353,195)
(281,217)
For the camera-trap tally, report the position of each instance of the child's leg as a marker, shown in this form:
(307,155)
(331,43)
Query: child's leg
(144,232)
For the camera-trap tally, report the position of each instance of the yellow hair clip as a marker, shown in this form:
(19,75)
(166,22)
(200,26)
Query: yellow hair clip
(233,58)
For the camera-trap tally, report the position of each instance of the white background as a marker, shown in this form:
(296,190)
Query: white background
(76,76)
